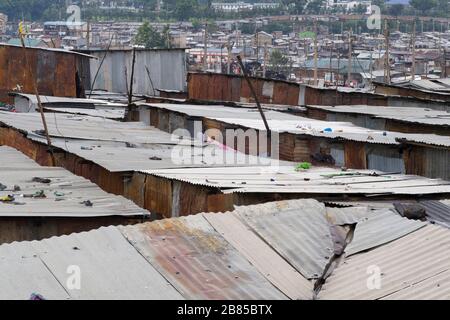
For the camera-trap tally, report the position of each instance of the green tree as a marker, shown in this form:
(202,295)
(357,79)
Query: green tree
(196,23)
(423,6)
(296,6)
(396,9)
(315,6)
(381,4)
(149,37)
(278,62)
(186,9)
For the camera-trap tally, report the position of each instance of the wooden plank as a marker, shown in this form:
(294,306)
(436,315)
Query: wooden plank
(355,155)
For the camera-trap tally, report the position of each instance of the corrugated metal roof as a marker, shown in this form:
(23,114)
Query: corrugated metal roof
(197,261)
(301,235)
(108,113)
(50,49)
(64,194)
(110,268)
(437,211)
(123,146)
(254,252)
(426,139)
(378,228)
(281,274)
(407,114)
(429,85)
(415,266)
(350,215)
(317,180)
(92,107)
(282,122)
(49,100)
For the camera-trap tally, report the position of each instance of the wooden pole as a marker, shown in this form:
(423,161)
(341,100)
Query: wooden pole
(349,56)
(255,96)
(413,67)
(205,50)
(316,54)
(266,60)
(130,94)
(38,98)
(229,56)
(387,64)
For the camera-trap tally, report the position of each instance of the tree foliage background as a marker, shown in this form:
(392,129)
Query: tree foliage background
(185,10)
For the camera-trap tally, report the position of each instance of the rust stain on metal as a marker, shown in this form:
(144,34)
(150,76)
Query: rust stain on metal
(54,72)
(197,261)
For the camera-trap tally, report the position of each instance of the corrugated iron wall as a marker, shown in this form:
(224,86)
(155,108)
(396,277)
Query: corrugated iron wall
(38,228)
(166,70)
(437,163)
(385,158)
(409,92)
(222,87)
(428,162)
(54,72)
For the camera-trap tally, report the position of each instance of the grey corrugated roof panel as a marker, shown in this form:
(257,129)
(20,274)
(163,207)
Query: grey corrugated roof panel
(281,274)
(118,157)
(378,228)
(282,122)
(284,179)
(406,114)
(198,261)
(435,288)
(123,146)
(301,236)
(444,81)
(51,49)
(108,113)
(350,215)
(220,111)
(115,113)
(86,128)
(64,194)
(428,85)
(55,100)
(411,267)
(437,211)
(376,204)
(110,269)
(425,139)
(11,159)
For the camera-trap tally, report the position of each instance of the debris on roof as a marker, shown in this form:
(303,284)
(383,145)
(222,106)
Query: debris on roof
(252,253)
(38,191)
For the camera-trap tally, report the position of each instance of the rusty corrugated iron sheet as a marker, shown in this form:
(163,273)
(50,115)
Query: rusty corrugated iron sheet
(222,87)
(54,71)
(198,261)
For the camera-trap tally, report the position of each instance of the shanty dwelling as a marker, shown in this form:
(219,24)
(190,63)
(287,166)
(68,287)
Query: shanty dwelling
(112,71)
(38,202)
(438,89)
(223,87)
(171,176)
(299,250)
(91,107)
(399,119)
(55,72)
(299,139)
